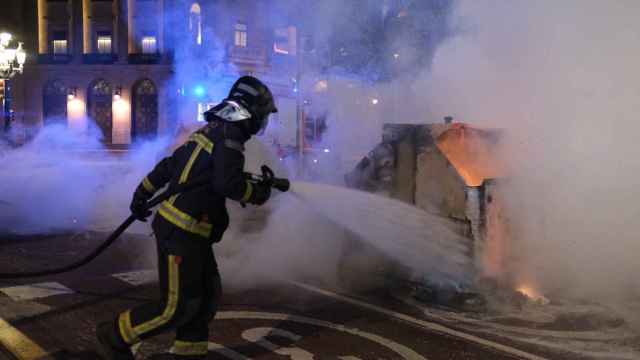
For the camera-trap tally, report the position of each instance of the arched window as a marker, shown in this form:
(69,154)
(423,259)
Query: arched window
(195,23)
(54,102)
(100,107)
(145,110)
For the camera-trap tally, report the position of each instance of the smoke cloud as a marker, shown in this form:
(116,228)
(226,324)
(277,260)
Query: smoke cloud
(561,78)
(288,238)
(61,182)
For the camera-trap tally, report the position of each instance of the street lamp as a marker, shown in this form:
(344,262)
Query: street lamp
(11,63)
(11,60)
(117,94)
(71,93)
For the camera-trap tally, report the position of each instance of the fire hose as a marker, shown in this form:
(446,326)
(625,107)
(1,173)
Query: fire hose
(266,178)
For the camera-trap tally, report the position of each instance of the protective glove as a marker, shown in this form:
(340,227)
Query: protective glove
(138,204)
(261,193)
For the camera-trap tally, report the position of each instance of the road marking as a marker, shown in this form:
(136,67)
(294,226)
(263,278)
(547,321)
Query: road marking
(35,291)
(137,278)
(19,344)
(426,324)
(400,349)
(259,336)
(492,324)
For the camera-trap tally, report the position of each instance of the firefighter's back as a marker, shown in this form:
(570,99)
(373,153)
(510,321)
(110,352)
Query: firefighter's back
(199,213)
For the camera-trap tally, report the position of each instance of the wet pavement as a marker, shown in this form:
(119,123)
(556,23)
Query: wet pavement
(55,317)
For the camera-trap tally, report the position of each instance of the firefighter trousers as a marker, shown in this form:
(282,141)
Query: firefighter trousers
(190,291)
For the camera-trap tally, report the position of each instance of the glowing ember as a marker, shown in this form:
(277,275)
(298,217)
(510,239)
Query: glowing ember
(533,294)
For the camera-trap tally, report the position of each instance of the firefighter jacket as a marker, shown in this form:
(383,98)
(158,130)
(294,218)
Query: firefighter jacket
(217,150)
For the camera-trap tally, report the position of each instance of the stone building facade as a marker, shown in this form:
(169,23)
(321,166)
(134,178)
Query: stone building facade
(116,64)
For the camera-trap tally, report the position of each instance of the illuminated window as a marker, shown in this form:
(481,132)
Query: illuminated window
(241,35)
(59,47)
(149,45)
(104,43)
(195,23)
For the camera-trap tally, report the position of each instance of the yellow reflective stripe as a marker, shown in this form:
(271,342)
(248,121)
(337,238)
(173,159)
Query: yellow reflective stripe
(187,169)
(20,346)
(184,220)
(247,192)
(203,141)
(126,330)
(146,183)
(190,348)
(172,300)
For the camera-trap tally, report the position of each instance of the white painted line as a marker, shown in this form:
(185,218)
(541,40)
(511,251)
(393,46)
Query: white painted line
(591,335)
(259,336)
(18,344)
(220,349)
(35,291)
(596,344)
(426,324)
(399,349)
(136,278)
(607,352)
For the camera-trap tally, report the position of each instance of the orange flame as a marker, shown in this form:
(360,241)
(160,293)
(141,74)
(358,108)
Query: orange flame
(473,153)
(533,294)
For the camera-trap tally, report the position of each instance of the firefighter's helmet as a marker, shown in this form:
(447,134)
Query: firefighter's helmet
(250,102)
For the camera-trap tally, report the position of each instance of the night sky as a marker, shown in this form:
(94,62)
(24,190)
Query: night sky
(11,18)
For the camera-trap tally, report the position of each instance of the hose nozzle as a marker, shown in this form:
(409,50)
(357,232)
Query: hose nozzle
(269,178)
(281,184)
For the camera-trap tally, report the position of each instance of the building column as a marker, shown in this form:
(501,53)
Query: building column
(86,26)
(43,27)
(76,30)
(29,96)
(131,21)
(161,26)
(122,38)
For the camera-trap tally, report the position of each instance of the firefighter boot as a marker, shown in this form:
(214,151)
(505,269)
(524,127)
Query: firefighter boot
(110,345)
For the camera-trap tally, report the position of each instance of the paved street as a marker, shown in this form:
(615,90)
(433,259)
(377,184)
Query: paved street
(54,318)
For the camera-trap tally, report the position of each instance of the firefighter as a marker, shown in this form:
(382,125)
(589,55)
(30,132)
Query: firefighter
(186,226)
